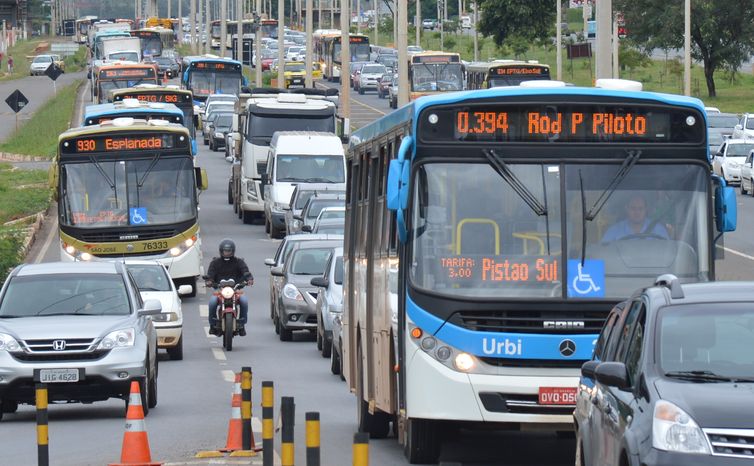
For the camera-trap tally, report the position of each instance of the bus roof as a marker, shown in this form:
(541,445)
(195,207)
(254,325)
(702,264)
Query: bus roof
(124,125)
(99,110)
(486,65)
(498,94)
(112,66)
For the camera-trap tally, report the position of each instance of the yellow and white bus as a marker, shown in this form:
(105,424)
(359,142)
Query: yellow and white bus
(128,188)
(432,72)
(499,73)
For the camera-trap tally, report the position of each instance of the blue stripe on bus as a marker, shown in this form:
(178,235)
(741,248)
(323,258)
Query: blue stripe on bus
(502,345)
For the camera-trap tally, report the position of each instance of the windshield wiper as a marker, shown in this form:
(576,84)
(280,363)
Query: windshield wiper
(99,168)
(625,168)
(502,169)
(700,375)
(318,180)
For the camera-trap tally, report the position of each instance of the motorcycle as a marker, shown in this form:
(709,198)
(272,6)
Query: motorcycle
(228,293)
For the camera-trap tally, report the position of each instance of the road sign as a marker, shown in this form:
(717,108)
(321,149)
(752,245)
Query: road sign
(53,71)
(17,101)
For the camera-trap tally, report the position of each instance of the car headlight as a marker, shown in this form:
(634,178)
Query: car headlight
(674,430)
(227,292)
(165,317)
(123,338)
(291,292)
(335,308)
(218,134)
(8,343)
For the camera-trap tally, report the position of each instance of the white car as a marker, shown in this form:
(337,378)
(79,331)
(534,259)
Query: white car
(294,53)
(369,76)
(153,282)
(745,127)
(40,64)
(729,158)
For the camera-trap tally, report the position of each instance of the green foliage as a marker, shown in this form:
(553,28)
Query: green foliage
(519,45)
(39,135)
(722,31)
(10,251)
(77,61)
(22,192)
(631,58)
(527,19)
(450,43)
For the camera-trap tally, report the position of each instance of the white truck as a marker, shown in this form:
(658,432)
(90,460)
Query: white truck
(122,49)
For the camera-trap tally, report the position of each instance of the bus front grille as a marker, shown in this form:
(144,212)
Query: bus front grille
(141,234)
(548,322)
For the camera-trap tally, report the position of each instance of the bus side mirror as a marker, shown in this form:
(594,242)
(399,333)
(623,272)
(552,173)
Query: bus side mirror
(202,181)
(725,208)
(194,147)
(344,129)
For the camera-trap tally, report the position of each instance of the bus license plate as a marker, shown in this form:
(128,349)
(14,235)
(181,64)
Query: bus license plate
(557,395)
(58,375)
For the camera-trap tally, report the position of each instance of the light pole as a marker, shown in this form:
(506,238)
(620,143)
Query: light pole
(476,31)
(345,60)
(687,47)
(603,39)
(281,48)
(258,46)
(207,27)
(558,40)
(309,26)
(418,23)
(223,26)
(402,16)
(239,33)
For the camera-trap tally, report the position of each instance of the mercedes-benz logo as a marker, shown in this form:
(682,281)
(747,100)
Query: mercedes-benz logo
(58,345)
(567,347)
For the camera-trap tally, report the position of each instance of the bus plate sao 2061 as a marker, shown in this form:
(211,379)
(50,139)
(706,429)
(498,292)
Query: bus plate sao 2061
(557,395)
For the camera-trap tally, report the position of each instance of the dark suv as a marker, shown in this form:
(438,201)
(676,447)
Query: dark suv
(671,379)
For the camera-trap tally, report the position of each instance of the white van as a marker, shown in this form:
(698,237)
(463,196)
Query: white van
(298,157)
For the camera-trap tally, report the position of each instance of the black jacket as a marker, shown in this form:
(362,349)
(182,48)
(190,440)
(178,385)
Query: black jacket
(234,268)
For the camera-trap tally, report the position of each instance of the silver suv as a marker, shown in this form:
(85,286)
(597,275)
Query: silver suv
(82,328)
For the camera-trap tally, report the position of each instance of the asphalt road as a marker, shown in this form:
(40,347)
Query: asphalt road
(194,394)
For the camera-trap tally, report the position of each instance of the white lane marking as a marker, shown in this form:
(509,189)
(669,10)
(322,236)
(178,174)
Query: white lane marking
(219,354)
(48,242)
(738,253)
(229,376)
(203,310)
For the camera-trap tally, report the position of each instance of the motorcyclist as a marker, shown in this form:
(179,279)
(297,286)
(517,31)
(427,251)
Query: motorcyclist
(226,267)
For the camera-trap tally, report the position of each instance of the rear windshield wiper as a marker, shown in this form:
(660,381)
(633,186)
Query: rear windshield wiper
(502,169)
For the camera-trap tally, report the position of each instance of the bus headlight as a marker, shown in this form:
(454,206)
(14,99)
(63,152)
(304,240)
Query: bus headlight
(85,256)
(464,362)
(446,354)
(181,247)
(70,250)
(175,251)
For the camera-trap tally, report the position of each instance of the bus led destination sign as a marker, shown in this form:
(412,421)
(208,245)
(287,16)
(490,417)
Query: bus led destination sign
(118,143)
(501,269)
(585,123)
(170,98)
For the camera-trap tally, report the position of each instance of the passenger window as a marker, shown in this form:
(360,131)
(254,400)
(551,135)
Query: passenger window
(625,334)
(599,348)
(634,347)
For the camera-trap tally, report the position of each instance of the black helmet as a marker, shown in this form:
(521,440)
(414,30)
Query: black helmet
(227,249)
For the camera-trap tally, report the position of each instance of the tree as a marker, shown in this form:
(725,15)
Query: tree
(722,31)
(525,19)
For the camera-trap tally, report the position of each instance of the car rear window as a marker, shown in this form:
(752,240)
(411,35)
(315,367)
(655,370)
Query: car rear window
(316,206)
(69,294)
(310,261)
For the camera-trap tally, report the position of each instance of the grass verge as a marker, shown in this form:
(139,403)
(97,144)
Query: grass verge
(39,135)
(22,53)
(77,61)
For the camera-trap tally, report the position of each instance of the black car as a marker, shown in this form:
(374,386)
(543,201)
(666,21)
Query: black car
(218,128)
(167,67)
(672,379)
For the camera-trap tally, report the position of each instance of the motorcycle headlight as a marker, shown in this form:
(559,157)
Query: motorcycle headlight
(8,343)
(227,292)
(674,430)
(291,292)
(118,339)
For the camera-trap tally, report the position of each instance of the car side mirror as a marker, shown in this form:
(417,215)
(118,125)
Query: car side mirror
(320,281)
(276,271)
(185,290)
(612,374)
(269,262)
(306,228)
(151,307)
(587,369)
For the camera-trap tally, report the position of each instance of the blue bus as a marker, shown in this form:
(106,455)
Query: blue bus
(490,232)
(212,75)
(139,110)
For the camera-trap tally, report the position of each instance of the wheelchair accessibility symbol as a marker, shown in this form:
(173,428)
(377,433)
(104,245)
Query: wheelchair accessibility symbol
(586,281)
(137,215)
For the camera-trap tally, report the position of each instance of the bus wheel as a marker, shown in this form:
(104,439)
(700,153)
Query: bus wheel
(422,442)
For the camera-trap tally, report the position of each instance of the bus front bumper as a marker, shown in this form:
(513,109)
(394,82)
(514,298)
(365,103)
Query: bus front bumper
(509,398)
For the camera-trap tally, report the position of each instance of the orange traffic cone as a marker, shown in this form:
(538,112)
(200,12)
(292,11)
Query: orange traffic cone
(235,425)
(135,451)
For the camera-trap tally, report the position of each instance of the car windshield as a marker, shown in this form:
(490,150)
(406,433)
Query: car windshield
(264,126)
(707,339)
(310,261)
(750,123)
(500,81)
(295,67)
(475,235)
(149,277)
(722,121)
(138,192)
(373,69)
(330,229)
(316,206)
(429,77)
(310,168)
(42,60)
(65,294)
(223,120)
(332,213)
(739,150)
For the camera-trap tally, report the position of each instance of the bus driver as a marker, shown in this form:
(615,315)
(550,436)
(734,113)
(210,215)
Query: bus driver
(636,223)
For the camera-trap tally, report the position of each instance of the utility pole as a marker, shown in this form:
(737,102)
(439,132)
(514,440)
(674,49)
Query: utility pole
(476,31)
(208,26)
(358,16)
(281,48)
(586,13)
(616,48)
(239,33)
(319,14)
(170,5)
(604,31)
(345,61)
(418,20)
(332,14)
(53,29)
(402,13)
(192,25)
(309,26)
(223,26)
(258,46)
(687,47)
(559,39)
(377,22)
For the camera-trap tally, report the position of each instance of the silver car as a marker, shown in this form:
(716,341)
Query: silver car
(296,309)
(329,300)
(80,327)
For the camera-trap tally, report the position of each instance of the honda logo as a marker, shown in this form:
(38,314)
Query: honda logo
(563,324)
(58,345)
(567,347)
